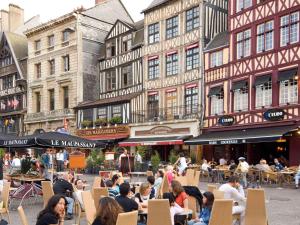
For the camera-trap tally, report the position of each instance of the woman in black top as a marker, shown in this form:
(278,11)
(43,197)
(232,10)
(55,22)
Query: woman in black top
(108,211)
(54,211)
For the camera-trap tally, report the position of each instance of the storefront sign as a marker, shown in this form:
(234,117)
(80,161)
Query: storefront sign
(227,142)
(162,130)
(226,120)
(274,114)
(105,131)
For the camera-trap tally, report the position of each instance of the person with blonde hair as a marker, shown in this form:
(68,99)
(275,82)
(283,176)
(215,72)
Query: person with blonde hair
(107,212)
(143,197)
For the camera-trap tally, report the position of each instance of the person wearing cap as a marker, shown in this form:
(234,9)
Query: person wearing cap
(244,168)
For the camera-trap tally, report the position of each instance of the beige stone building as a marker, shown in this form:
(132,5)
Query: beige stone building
(62,64)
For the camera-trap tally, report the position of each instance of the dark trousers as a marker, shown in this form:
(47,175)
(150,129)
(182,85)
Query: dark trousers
(60,165)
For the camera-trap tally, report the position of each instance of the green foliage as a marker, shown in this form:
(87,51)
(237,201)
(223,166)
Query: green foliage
(155,160)
(173,157)
(2,152)
(100,122)
(95,159)
(141,150)
(116,120)
(193,157)
(86,123)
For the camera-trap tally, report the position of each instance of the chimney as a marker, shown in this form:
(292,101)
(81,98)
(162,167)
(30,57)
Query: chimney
(99,1)
(16,17)
(4,21)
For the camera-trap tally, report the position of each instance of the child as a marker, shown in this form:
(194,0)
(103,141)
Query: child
(204,216)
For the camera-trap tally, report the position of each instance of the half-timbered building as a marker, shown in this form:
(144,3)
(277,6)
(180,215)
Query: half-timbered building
(252,97)
(120,83)
(175,34)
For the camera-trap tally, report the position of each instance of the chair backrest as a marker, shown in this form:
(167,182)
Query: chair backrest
(129,218)
(192,204)
(149,173)
(159,212)
(190,176)
(22,216)
(97,182)
(98,194)
(256,213)
(164,187)
(89,206)
(196,179)
(5,194)
(183,180)
(221,212)
(47,190)
(211,188)
(218,194)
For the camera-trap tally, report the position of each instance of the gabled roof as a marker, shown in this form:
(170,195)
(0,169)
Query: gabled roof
(220,40)
(154,4)
(118,22)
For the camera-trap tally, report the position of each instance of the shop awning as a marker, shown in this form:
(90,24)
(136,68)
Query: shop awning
(174,140)
(254,135)
(108,138)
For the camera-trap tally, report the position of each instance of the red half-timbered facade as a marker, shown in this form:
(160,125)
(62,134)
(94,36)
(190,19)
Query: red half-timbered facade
(251,83)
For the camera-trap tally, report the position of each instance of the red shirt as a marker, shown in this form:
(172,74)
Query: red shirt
(180,198)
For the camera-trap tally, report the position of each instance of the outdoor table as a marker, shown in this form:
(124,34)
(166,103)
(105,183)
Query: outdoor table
(28,189)
(138,174)
(219,172)
(287,176)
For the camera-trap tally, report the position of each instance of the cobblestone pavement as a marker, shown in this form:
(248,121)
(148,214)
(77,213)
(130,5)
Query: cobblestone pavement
(283,206)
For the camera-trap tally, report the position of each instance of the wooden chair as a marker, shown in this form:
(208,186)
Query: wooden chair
(22,216)
(164,187)
(97,182)
(159,212)
(129,218)
(149,173)
(211,188)
(47,190)
(270,177)
(256,213)
(196,179)
(79,212)
(182,179)
(89,206)
(221,212)
(98,194)
(190,176)
(218,194)
(192,204)
(5,199)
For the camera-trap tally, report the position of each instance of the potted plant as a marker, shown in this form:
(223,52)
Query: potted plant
(101,122)
(173,157)
(155,160)
(86,123)
(115,120)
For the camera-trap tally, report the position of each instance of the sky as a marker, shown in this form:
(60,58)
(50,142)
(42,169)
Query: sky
(50,9)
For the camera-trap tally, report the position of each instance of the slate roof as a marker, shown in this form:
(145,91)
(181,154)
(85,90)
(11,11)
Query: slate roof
(19,44)
(220,40)
(154,4)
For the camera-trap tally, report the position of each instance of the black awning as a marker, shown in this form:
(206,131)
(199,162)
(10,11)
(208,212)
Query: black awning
(215,91)
(255,135)
(239,85)
(172,140)
(262,79)
(287,74)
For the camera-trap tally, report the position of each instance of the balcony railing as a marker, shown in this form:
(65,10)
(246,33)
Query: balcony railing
(166,114)
(50,115)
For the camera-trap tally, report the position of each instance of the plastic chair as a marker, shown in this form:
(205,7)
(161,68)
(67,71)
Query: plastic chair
(164,187)
(129,218)
(256,213)
(218,194)
(192,205)
(159,212)
(22,216)
(5,199)
(211,188)
(89,206)
(98,194)
(221,212)
(47,190)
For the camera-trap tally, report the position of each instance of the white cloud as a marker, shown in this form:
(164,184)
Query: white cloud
(50,9)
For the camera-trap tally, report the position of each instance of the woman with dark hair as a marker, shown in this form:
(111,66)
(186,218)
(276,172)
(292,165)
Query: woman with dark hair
(180,196)
(158,181)
(116,182)
(54,212)
(204,216)
(107,212)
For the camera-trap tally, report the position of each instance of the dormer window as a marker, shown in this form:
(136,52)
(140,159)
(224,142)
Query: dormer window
(110,49)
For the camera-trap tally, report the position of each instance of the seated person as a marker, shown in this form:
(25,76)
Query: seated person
(33,169)
(64,187)
(124,199)
(151,181)
(77,193)
(174,207)
(204,215)
(158,181)
(297,177)
(111,192)
(263,166)
(143,197)
(232,165)
(278,166)
(205,166)
(180,196)
(116,182)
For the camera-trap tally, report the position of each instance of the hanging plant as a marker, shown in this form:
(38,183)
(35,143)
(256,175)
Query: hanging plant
(116,120)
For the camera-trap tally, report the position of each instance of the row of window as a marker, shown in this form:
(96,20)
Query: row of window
(288,94)
(126,78)
(65,37)
(7,82)
(172,64)
(172,26)
(6,61)
(113,111)
(51,66)
(289,34)
(125,45)
(244,4)
(51,99)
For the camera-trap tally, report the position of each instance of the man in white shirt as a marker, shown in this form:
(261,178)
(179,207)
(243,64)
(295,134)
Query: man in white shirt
(244,167)
(60,161)
(15,164)
(233,190)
